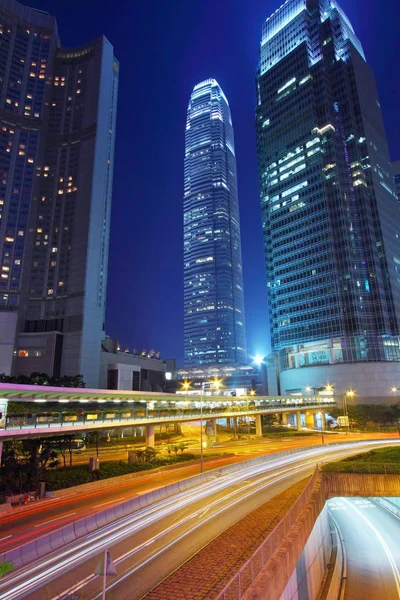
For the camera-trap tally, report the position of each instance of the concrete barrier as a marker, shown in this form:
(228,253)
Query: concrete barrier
(338,569)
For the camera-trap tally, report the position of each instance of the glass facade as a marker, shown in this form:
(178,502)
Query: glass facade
(396,171)
(331,220)
(213,282)
(58,112)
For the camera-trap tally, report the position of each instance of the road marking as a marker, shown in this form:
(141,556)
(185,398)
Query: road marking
(386,548)
(56,519)
(109,502)
(5,538)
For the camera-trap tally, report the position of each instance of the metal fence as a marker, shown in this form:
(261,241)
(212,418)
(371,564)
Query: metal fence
(246,575)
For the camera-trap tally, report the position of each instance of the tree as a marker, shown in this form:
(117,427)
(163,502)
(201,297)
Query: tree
(75,381)
(182,446)
(150,454)
(175,448)
(269,420)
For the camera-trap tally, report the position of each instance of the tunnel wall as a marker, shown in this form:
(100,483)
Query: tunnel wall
(307,577)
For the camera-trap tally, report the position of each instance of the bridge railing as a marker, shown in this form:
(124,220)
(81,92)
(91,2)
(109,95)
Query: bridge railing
(246,575)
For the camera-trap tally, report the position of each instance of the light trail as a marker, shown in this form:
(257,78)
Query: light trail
(33,577)
(198,513)
(381,539)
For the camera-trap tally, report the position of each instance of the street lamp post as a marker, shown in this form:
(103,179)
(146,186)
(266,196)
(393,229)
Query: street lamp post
(252,394)
(201,430)
(394,389)
(348,394)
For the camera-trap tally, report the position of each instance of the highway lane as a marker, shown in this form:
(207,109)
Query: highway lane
(42,517)
(371,537)
(144,545)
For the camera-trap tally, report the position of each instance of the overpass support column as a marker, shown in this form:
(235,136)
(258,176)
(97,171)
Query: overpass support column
(258,426)
(323,419)
(149,436)
(284,418)
(298,420)
(310,422)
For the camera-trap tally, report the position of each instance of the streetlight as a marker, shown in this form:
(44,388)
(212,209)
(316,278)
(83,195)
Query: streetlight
(348,394)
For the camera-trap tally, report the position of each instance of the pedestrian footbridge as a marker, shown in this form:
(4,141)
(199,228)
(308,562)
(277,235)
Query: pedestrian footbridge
(66,410)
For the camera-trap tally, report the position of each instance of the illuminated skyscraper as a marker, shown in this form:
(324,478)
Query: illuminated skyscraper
(57,132)
(331,219)
(213,281)
(396,171)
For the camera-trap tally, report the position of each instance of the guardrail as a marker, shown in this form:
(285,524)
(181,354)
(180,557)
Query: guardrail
(244,578)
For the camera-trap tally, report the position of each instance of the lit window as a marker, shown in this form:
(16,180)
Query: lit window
(23,353)
(50,292)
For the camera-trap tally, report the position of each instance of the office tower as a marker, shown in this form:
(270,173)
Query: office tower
(396,171)
(58,111)
(213,282)
(331,220)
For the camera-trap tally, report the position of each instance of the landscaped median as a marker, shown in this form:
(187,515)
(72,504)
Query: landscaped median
(384,461)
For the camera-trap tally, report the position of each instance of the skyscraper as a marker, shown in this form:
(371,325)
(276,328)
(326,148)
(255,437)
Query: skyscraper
(396,171)
(213,282)
(331,220)
(58,112)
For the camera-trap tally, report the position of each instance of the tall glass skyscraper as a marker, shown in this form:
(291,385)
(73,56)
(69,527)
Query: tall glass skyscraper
(213,282)
(330,215)
(57,132)
(396,171)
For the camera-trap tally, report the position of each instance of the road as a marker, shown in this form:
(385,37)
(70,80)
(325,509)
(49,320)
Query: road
(151,543)
(42,517)
(371,539)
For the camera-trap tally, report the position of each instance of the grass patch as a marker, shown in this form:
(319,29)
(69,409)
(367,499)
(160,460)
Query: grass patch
(383,460)
(277,432)
(58,479)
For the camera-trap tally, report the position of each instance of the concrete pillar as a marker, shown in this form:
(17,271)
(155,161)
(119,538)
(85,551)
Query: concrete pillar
(310,422)
(323,420)
(298,420)
(284,418)
(149,436)
(258,426)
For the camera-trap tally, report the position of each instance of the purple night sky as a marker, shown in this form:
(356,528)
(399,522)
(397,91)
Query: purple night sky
(165,47)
